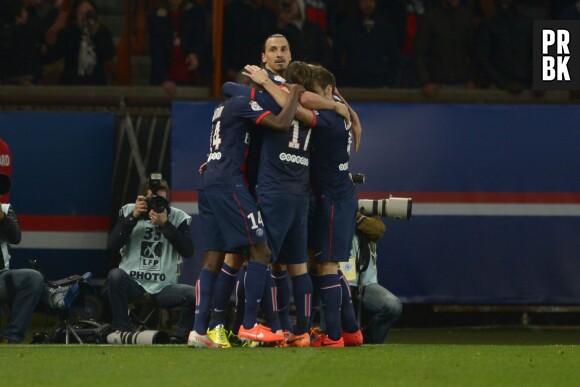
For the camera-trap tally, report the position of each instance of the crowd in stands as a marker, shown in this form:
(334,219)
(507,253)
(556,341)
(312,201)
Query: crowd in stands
(431,44)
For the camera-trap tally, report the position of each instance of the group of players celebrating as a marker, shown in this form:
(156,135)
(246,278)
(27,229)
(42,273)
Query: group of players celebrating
(276,185)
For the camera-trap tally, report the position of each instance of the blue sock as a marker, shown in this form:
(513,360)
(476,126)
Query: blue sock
(254,285)
(283,298)
(222,291)
(315,313)
(203,290)
(330,297)
(302,287)
(240,300)
(269,304)
(347,314)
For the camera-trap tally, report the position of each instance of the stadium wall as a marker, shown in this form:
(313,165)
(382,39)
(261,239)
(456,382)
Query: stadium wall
(496,193)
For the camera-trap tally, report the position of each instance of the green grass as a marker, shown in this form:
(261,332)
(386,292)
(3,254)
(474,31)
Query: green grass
(440,357)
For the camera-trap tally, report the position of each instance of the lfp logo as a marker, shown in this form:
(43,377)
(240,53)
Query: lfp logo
(556,55)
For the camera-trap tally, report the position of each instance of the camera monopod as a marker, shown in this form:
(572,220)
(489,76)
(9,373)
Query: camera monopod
(362,263)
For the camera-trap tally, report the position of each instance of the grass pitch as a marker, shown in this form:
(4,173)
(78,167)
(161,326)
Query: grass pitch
(412,357)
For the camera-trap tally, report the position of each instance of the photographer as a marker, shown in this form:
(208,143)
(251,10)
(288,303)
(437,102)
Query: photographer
(380,308)
(23,288)
(151,237)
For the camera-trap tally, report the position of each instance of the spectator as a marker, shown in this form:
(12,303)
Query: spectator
(43,13)
(247,24)
(404,14)
(176,44)
(505,48)
(19,45)
(443,47)
(86,45)
(47,17)
(307,40)
(366,49)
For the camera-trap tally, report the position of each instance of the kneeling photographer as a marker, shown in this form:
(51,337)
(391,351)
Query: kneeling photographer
(379,308)
(151,237)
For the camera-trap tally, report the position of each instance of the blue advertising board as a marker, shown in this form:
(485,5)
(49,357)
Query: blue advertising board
(62,168)
(496,192)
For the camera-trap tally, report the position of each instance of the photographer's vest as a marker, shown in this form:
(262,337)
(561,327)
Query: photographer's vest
(359,254)
(3,244)
(148,257)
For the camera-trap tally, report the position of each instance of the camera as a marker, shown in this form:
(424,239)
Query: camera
(5,184)
(155,202)
(358,178)
(394,208)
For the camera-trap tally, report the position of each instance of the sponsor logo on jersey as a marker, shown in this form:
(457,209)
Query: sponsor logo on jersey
(214,156)
(294,159)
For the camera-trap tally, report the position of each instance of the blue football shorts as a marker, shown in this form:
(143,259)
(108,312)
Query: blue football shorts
(230,220)
(286,219)
(333,228)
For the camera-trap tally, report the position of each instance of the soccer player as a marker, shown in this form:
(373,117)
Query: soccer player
(335,215)
(283,191)
(230,216)
(276,56)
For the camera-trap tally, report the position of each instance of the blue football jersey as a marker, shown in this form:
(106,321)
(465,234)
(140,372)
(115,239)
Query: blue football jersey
(284,157)
(277,79)
(229,139)
(331,139)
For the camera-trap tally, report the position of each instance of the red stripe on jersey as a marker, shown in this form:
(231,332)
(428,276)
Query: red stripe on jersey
(253,93)
(262,116)
(313,119)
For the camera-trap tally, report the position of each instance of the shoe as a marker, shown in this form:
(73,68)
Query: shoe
(219,335)
(196,340)
(352,339)
(325,341)
(259,333)
(235,341)
(4,340)
(177,340)
(302,340)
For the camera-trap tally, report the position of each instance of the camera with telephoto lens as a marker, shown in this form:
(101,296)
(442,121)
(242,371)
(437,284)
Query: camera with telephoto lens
(5,184)
(393,208)
(155,202)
